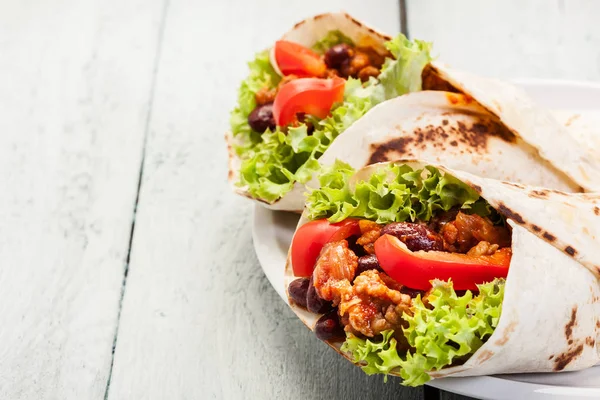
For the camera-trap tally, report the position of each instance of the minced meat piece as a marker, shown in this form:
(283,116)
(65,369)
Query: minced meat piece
(467,230)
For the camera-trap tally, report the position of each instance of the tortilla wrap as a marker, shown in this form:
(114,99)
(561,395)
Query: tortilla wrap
(307,33)
(550,320)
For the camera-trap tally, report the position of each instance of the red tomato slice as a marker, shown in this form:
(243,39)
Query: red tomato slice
(310,238)
(312,96)
(417,269)
(293,58)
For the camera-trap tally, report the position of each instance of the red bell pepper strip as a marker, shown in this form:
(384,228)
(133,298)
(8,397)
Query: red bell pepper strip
(295,59)
(416,269)
(312,96)
(310,238)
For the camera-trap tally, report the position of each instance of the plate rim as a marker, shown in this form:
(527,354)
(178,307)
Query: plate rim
(486,386)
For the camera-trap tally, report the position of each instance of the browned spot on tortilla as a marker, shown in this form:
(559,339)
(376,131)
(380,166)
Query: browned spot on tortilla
(358,23)
(598,324)
(596,210)
(510,328)
(551,357)
(572,322)
(477,188)
(590,341)
(570,342)
(571,119)
(536,228)
(302,22)
(570,251)
(514,184)
(508,213)
(562,360)
(445,122)
(539,193)
(485,355)
(381,152)
(548,236)
(477,135)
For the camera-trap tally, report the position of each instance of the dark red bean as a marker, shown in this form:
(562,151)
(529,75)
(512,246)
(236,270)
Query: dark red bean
(338,54)
(314,303)
(298,289)
(357,249)
(366,263)
(328,327)
(415,236)
(412,292)
(261,118)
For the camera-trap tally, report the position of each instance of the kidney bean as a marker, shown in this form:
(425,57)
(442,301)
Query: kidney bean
(366,263)
(328,327)
(261,118)
(415,236)
(356,248)
(314,303)
(298,289)
(412,292)
(338,54)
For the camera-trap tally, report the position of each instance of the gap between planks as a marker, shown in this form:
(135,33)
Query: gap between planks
(161,31)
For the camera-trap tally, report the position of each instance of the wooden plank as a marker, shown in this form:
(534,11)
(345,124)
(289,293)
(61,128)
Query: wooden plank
(199,318)
(512,38)
(75,78)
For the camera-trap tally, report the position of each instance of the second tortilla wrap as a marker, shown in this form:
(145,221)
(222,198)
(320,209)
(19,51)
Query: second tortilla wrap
(550,320)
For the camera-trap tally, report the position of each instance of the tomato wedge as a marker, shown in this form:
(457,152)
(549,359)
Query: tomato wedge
(312,96)
(417,269)
(310,238)
(293,58)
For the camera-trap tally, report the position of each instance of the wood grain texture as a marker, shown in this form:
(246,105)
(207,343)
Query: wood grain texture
(74,79)
(555,39)
(199,318)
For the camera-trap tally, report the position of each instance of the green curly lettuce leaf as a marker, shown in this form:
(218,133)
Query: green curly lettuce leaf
(331,39)
(394,193)
(262,75)
(273,161)
(403,75)
(280,159)
(444,332)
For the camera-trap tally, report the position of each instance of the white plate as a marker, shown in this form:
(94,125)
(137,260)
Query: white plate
(273,230)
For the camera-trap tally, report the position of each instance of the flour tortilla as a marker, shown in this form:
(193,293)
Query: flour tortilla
(533,124)
(550,320)
(307,33)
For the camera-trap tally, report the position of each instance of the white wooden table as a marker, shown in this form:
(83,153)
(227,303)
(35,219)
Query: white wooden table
(127,267)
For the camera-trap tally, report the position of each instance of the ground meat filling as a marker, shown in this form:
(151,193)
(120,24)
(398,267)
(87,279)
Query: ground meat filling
(432,81)
(467,230)
(374,304)
(334,271)
(368,301)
